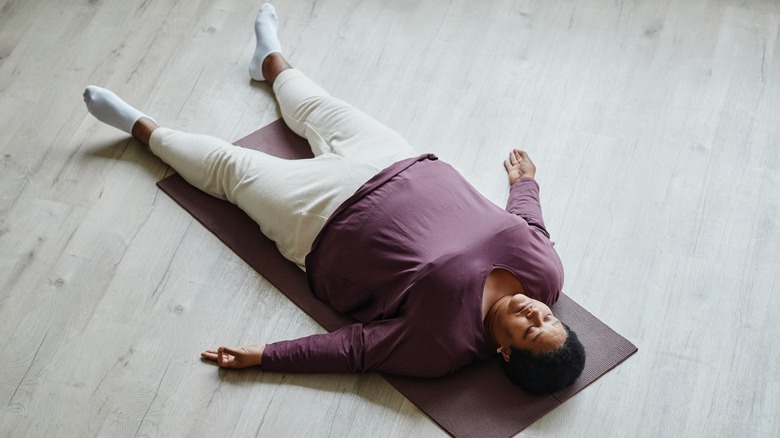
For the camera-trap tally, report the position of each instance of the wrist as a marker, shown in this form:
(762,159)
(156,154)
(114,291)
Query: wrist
(259,356)
(522,177)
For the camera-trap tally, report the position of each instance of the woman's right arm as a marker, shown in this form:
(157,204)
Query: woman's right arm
(340,351)
(395,346)
(242,357)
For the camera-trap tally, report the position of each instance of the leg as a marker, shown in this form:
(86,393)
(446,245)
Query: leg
(273,65)
(143,128)
(331,125)
(289,199)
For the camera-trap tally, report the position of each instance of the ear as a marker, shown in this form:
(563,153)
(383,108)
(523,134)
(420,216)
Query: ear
(504,352)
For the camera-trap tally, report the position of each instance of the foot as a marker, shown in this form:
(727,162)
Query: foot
(267,40)
(111,109)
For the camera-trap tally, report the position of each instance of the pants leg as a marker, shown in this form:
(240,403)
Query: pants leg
(333,126)
(289,199)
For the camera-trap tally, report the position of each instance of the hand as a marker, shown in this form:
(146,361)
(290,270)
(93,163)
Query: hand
(243,357)
(519,165)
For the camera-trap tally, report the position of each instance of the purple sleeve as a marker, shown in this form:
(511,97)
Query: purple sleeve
(524,202)
(339,351)
(392,346)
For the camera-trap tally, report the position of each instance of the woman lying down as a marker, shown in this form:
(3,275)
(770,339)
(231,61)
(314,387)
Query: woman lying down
(437,276)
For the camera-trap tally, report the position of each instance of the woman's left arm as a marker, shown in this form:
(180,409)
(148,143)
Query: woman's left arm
(524,190)
(519,165)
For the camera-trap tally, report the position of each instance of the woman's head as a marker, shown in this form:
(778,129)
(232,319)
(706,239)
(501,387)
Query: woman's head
(523,323)
(547,372)
(541,354)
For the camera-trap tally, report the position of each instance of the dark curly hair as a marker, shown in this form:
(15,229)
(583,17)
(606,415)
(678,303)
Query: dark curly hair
(547,372)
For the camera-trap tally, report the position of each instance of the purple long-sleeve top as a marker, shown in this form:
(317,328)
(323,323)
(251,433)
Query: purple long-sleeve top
(408,256)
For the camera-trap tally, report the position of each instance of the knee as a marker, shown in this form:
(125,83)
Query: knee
(311,105)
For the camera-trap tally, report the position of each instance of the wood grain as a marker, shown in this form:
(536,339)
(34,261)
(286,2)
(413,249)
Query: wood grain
(654,125)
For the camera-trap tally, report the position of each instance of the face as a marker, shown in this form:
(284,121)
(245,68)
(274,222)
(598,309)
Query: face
(527,324)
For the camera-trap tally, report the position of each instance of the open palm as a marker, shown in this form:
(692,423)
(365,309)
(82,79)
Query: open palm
(519,165)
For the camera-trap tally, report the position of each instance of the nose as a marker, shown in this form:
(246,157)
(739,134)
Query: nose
(534,315)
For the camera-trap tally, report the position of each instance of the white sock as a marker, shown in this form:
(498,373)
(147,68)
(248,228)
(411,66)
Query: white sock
(267,40)
(111,109)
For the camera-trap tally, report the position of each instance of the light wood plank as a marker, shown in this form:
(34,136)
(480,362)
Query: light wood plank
(653,124)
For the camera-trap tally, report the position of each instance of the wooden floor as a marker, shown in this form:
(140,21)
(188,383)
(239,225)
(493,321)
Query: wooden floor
(655,125)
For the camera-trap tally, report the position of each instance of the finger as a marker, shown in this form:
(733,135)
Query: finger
(227,361)
(507,166)
(512,158)
(210,355)
(518,155)
(233,351)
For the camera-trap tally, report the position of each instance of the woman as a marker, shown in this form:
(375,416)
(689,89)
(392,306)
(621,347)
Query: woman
(437,276)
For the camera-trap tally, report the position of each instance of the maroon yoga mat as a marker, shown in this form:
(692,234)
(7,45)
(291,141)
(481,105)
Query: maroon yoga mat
(476,401)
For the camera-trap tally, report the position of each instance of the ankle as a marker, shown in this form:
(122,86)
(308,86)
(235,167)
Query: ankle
(143,128)
(273,65)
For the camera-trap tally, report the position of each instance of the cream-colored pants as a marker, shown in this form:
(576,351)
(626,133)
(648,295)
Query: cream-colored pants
(289,199)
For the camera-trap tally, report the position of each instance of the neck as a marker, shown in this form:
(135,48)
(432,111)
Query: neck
(499,284)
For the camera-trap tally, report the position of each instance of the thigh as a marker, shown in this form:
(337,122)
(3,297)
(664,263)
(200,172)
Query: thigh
(289,199)
(332,125)
(292,199)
